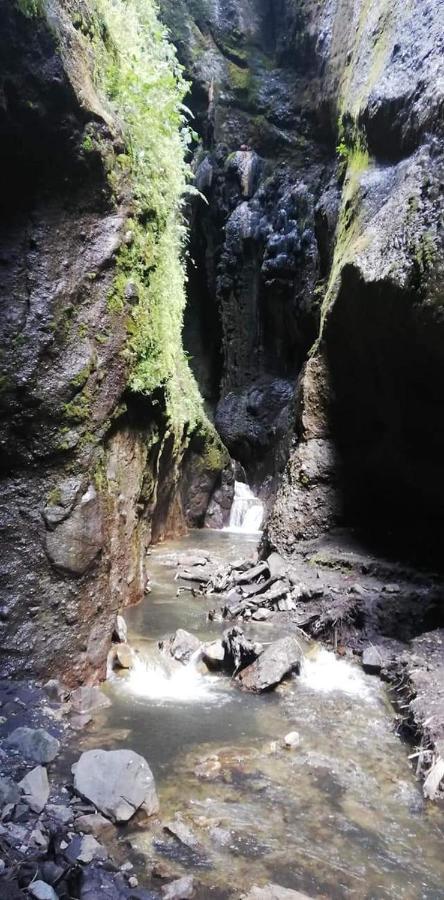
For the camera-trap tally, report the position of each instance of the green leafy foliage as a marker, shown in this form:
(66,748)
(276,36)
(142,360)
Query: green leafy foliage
(136,70)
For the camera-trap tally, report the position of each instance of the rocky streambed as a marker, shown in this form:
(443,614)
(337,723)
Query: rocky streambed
(229,754)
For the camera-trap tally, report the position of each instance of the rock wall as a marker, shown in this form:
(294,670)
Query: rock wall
(381,342)
(91,469)
(321,160)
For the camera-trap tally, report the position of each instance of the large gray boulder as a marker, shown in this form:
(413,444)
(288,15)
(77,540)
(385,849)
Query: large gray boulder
(117,782)
(272,666)
(34,743)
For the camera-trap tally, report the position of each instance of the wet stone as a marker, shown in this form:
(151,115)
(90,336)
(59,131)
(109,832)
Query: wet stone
(181,889)
(35,788)
(42,891)
(35,744)
(117,782)
(88,699)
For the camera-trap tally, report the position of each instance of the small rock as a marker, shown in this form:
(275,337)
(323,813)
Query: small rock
(60,814)
(120,630)
(85,849)
(209,769)
(126,867)
(372,660)
(133,881)
(391,588)
(39,838)
(183,833)
(95,824)
(35,787)
(182,889)
(42,891)
(118,782)
(34,743)
(55,690)
(123,657)
(292,740)
(2,866)
(213,654)
(358,589)
(88,699)
(261,615)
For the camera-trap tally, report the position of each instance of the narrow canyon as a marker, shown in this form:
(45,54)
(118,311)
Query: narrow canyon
(221,449)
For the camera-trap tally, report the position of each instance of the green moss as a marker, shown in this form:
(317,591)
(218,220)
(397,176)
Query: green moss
(349,239)
(54,497)
(78,409)
(425,252)
(242,82)
(30,8)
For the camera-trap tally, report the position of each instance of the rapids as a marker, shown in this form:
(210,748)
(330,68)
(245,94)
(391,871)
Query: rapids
(340,816)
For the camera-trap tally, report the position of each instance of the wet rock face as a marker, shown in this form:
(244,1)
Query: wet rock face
(251,314)
(88,476)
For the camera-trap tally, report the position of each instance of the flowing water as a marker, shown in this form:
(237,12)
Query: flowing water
(247,511)
(339,816)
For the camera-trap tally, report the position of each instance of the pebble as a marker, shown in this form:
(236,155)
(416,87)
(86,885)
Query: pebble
(292,740)
(42,891)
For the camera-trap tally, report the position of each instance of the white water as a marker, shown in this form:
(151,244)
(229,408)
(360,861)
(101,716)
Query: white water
(322,671)
(159,679)
(247,511)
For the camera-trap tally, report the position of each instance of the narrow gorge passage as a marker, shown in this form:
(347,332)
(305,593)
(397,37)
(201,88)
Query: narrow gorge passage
(221,450)
(336,813)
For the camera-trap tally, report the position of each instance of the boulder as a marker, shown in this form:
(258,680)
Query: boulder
(213,654)
(42,891)
(276,662)
(34,743)
(181,889)
(181,646)
(35,788)
(117,782)
(183,833)
(60,814)
(88,699)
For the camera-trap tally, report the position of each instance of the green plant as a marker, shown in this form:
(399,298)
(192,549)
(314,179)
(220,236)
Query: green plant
(30,8)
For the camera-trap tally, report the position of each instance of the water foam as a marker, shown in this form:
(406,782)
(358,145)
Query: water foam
(247,511)
(322,671)
(154,679)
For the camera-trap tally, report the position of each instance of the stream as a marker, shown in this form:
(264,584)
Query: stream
(341,815)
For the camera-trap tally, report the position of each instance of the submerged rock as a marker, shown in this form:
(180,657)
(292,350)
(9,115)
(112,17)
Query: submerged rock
(94,824)
(273,665)
(34,743)
(274,892)
(88,699)
(118,782)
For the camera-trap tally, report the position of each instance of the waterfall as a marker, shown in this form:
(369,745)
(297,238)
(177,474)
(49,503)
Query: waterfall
(247,511)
